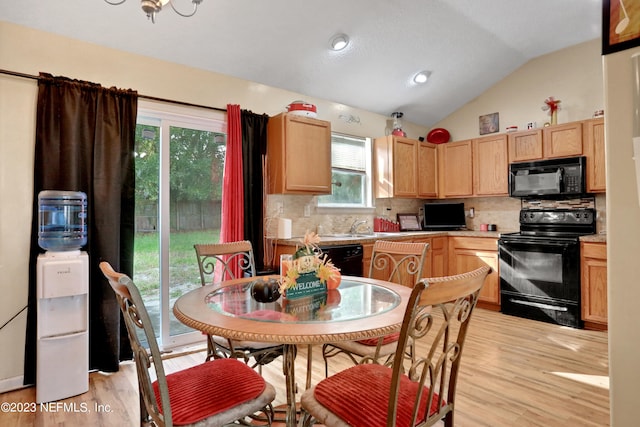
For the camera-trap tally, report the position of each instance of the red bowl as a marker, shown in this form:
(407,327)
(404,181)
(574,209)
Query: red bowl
(438,136)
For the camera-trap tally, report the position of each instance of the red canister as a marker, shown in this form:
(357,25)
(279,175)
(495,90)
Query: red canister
(302,108)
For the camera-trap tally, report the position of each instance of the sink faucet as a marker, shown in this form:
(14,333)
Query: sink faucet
(357,223)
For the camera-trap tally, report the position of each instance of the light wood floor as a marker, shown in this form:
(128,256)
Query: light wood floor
(515,372)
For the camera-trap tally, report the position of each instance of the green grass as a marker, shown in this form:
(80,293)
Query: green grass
(183,269)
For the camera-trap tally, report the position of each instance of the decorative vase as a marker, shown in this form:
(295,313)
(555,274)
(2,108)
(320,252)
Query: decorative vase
(554,117)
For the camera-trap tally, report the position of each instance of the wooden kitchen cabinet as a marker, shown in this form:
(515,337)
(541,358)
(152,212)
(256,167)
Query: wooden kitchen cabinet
(594,285)
(550,142)
(404,167)
(525,146)
(469,253)
(475,167)
(490,166)
(427,170)
(298,155)
(455,170)
(367,251)
(593,139)
(562,140)
(435,264)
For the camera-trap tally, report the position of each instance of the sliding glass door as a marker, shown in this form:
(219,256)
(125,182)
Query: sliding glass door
(179,171)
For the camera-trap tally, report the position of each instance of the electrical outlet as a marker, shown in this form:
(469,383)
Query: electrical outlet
(307,211)
(280,208)
(472,212)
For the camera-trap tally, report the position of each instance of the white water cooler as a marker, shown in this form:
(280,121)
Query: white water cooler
(63,325)
(62,292)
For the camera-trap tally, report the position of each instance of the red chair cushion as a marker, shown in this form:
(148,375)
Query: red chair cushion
(387,339)
(360,396)
(205,390)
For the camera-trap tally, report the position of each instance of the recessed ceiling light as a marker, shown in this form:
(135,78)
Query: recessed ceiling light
(422,77)
(339,41)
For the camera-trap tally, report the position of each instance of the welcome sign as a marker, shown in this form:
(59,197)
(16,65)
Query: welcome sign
(306,284)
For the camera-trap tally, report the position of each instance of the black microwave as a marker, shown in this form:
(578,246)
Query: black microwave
(565,177)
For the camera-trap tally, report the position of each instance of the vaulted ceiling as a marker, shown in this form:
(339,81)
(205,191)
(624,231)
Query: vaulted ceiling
(466,45)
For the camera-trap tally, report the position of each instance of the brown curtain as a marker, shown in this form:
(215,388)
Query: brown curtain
(85,138)
(254,147)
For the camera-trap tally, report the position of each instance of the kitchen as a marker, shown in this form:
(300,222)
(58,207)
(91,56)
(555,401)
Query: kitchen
(555,207)
(532,83)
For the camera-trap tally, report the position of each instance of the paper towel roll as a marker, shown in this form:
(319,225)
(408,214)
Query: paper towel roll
(284,228)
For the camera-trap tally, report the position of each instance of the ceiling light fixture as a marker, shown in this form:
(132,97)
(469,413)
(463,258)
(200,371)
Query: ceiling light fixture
(421,77)
(339,41)
(151,7)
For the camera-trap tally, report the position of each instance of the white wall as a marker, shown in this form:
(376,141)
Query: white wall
(623,242)
(17,133)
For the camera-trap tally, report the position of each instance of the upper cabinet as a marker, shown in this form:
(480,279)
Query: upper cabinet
(480,167)
(562,140)
(546,143)
(593,133)
(490,166)
(456,171)
(583,138)
(298,155)
(404,167)
(475,167)
(427,170)
(525,146)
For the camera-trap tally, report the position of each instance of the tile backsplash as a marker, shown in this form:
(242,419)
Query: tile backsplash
(306,215)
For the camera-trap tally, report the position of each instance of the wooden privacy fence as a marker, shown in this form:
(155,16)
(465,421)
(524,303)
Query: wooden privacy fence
(184,216)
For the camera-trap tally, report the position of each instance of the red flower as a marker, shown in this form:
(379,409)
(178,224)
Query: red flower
(551,104)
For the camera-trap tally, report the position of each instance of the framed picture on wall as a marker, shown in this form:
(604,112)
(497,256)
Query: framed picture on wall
(620,25)
(489,123)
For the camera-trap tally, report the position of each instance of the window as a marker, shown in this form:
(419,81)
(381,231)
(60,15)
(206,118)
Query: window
(179,167)
(351,173)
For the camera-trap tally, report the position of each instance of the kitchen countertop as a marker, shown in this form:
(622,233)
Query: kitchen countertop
(408,235)
(594,238)
(401,235)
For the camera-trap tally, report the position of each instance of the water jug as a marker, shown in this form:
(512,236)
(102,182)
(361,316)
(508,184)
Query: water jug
(62,222)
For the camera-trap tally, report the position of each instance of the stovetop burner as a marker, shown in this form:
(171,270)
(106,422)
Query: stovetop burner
(555,224)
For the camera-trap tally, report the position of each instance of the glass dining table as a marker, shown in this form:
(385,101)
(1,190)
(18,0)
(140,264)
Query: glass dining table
(360,308)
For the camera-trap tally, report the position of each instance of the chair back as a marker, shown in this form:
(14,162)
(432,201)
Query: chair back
(234,259)
(136,318)
(437,318)
(398,262)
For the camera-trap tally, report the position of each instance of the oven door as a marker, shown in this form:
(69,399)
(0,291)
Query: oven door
(540,279)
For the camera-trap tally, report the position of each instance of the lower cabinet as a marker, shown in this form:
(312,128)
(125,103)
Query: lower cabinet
(436,263)
(449,255)
(367,249)
(594,285)
(467,254)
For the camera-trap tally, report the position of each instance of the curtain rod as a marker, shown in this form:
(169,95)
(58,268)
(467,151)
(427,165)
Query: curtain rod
(151,98)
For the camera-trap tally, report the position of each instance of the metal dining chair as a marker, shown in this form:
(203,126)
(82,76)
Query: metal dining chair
(397,262)
(215,393)
(232,260)
(437,316)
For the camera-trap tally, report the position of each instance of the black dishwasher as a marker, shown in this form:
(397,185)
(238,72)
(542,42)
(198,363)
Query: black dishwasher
(348,258)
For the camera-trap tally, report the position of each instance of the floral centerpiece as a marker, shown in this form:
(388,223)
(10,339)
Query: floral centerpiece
(310,271)
(552,105)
